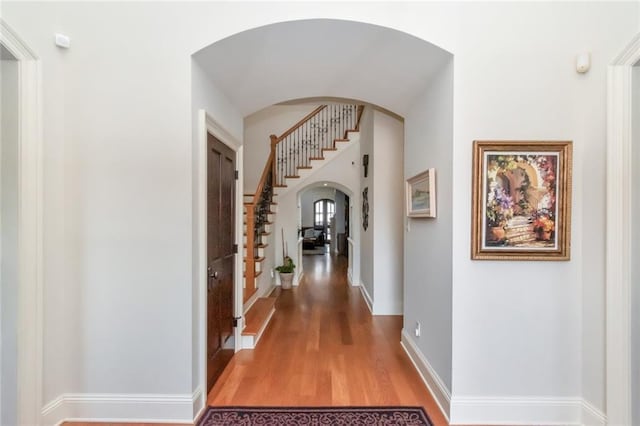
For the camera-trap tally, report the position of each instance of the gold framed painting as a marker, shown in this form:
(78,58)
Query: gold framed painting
(521,200)
(421,194)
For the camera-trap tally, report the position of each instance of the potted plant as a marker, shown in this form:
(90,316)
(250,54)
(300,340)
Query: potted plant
(286,272)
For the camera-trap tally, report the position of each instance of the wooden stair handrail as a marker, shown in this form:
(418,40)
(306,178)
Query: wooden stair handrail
(301,122)
(263,178)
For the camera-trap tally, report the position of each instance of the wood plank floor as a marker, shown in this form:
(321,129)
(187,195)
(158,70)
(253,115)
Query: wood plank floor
(324,348)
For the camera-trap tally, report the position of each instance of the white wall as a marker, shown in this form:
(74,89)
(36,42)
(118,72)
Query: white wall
(635,250)
(118,229)
(387,209)
(382,139)
(508,314)
(117,185)
(427,242)
(9,241)
(367,254)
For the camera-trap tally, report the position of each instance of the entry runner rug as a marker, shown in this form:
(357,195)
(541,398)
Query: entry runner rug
(315,416)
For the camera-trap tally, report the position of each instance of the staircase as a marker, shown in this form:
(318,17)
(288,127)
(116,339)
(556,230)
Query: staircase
(295,152)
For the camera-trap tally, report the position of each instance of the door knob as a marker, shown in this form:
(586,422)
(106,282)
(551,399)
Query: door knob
(211,273)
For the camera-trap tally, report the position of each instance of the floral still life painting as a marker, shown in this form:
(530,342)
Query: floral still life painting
(521,206)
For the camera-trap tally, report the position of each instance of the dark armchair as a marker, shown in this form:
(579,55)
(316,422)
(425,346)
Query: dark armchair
(312,238)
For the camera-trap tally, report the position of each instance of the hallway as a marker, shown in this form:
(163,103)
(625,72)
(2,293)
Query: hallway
(323,348)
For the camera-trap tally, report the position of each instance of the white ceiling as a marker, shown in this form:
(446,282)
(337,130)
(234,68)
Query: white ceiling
(321,58)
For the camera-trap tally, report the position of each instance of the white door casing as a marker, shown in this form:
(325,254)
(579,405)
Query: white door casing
(619,221)
(207,124)
(30,232)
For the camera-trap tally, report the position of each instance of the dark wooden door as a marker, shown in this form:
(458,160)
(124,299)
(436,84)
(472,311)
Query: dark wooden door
(220,255)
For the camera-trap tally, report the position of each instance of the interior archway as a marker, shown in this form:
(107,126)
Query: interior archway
(321,58)
(380,66)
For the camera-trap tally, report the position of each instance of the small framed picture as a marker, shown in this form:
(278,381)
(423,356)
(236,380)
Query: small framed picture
(421,194)
(521,200)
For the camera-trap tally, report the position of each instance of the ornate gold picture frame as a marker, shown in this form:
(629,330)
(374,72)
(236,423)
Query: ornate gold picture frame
(521,200)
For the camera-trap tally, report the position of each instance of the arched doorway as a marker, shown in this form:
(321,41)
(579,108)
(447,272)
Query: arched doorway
(288,71)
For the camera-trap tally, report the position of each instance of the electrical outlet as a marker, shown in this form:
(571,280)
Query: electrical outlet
(273,274)
(417,329)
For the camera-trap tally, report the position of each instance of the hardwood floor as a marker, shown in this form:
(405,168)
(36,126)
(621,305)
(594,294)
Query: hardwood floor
(323,348)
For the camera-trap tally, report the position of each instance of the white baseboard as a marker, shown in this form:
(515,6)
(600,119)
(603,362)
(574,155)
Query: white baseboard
(434,383)
(137,408)
(516,411)
(367,298)
(591,416)
(350,278)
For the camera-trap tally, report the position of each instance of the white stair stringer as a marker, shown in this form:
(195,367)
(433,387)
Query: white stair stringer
(307,174)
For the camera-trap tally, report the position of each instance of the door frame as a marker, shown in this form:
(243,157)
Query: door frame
(618,248)
(30,229)
(206,125)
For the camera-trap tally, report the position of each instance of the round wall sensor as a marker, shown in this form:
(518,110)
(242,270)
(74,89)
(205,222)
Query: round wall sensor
(583,62)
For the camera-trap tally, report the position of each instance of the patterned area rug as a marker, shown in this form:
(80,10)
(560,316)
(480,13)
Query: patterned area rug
(316,416)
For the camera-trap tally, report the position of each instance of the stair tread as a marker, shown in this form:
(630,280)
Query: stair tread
(329,149)
(341,140)
(258,245)
(258,315)
(316,158)
(304,167)
(291,177)
(256,275)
